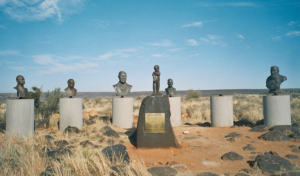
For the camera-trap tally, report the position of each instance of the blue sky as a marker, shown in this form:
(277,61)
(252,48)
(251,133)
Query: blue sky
(199,44)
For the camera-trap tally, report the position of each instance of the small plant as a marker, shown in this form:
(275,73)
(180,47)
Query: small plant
(193,94)
(50,105)
(35,94)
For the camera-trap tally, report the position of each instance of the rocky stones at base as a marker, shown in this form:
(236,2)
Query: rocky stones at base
(72,130)
(231,156)
(274,136)
(233,135)
(116,153)
(249,147)
(270,164)
(162,171)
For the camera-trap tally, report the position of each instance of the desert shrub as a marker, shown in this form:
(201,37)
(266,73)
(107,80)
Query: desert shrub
(51,103)
(247,108)
(2,117)
(193,94)
(98,100)
(35,94)
(295,107)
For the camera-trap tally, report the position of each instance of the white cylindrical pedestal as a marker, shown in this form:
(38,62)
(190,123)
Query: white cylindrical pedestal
(277,110)
(175,107)
(70,113)
(221,111)
(20,118)
(122,112)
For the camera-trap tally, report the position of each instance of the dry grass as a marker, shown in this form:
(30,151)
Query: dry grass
(24,157)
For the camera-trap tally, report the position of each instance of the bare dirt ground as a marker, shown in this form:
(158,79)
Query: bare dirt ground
(202,148)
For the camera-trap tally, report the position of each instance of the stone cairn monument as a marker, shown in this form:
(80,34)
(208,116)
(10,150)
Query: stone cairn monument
(175,104)
(20,113)
(122,105)
(154,129)
(276,107)
(70,109)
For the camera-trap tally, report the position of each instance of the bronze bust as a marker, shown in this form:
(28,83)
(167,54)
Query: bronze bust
(22,92)
(170,90)
(274,81)
(71,91)
(156,81)
(122,88)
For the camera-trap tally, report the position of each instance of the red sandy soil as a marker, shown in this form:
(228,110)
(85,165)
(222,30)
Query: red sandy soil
(203,154)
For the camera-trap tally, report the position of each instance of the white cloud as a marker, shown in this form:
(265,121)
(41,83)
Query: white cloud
(102,24)
(240,36)
(192,42)
(192,55)
(160,55)
(114,53)
(9,52)
(175,49)
(292,23)
(293,33)
(162,43)
(276,38)
(195,24)
(213,40)
(44,59)
(49,64)
(233,4)
(38,10)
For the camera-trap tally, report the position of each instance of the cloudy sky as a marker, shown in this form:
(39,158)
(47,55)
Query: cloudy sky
(203,44)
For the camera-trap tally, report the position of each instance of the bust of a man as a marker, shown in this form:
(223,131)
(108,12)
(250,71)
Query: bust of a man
(122,88)
(22,92)
(156,80)
(170,90)
(274,81)
(70,90)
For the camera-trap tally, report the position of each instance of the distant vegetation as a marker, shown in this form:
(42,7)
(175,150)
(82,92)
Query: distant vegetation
(47,107)
(193,94)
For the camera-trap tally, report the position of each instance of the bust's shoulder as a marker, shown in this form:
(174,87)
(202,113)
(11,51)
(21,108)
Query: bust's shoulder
(116,85)
(19,87)
(66,89)
(128,85)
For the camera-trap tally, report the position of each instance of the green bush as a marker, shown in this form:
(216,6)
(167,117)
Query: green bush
(193,94)
(35,94)
(51,103)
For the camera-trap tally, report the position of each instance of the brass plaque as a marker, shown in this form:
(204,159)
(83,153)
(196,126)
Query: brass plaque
(155,122)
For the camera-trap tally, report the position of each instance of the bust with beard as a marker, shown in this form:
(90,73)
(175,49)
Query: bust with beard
(274,81)
(122,88)
(22,92)
(70,90)
(170,90)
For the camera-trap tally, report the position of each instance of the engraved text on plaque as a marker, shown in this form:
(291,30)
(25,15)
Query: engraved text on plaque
(155,122)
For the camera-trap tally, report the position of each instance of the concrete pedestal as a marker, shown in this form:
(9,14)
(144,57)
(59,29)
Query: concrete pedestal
(277,110)
(122,112)
(221,111)
(70,113)
(20,118)
(175,107)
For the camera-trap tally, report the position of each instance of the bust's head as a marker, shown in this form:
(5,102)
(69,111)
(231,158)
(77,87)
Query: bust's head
(20,79)
(274,71)
(122,77)
(71,83)
(170,83)
(156,68)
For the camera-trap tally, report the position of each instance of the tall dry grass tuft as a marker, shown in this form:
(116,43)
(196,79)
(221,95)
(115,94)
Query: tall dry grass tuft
(247,108)
(27,157)
(295,107)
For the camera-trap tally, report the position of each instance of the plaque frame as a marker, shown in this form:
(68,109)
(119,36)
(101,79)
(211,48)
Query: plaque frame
(155,123)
